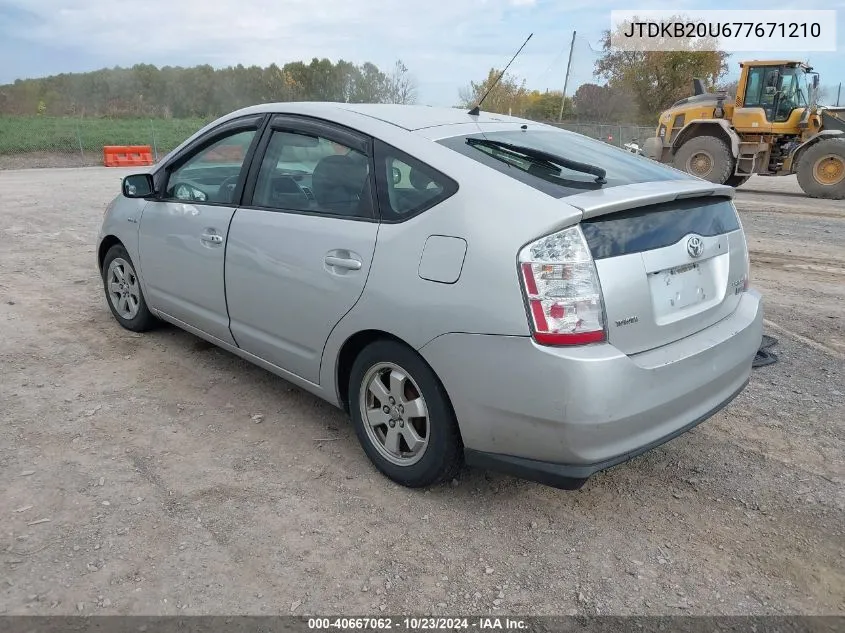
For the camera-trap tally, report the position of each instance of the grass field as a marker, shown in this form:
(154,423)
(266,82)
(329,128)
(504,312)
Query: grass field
(21,135)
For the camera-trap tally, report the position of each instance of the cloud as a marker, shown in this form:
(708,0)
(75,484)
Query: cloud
(252,30)
(444,43)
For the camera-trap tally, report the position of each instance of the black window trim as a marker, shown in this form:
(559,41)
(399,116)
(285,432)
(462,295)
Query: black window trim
(255,122)
(282,122)
(381,153)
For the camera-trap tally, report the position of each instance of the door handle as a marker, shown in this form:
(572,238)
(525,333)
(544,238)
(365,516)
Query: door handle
(342,262)
(212,238)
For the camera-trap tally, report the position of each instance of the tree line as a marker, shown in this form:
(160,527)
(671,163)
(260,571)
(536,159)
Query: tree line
(145,90)
(590,102)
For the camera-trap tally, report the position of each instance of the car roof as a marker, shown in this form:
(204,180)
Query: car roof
(416,117)
(387,121)
(408,117)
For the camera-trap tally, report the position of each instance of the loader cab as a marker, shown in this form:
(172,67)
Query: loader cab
(773,93)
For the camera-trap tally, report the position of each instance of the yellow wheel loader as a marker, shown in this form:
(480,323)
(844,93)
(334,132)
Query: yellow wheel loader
(772,127)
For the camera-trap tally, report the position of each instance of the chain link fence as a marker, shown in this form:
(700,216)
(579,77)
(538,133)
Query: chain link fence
(73,142)
(67,142)
(613,133)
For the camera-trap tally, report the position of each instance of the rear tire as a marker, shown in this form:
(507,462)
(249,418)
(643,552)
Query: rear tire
(706,157)
(821,170)
(123,291)
(737,181)
(397,405)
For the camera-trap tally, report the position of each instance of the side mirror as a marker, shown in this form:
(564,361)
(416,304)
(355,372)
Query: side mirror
(138,186)
(397,176)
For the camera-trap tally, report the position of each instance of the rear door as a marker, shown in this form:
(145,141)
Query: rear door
(300,248)
(182,234)
(667,270)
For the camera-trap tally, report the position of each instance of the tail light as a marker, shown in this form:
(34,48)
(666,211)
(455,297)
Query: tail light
(562,289)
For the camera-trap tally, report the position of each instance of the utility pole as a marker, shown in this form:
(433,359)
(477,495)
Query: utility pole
(838,93)
(566,80)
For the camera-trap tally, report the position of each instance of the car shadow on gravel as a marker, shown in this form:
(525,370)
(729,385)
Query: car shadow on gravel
(698,449)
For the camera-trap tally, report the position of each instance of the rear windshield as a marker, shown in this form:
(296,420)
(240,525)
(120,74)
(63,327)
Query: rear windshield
(658,225)
(622,167)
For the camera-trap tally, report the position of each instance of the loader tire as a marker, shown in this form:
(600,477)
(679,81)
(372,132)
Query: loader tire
(707,157)
(737,181)
(821,169)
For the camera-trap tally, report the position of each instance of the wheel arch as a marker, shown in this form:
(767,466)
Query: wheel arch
(353,346)
(707,127)
(795,158)
(347,354)
(105,244)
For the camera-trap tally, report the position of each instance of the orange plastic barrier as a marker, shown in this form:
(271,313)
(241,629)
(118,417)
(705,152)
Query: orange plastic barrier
(127,155)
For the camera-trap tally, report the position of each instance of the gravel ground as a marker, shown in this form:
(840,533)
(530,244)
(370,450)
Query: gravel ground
(135,481)
(31,160)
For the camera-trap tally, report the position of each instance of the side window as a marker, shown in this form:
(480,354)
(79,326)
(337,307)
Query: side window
(310,173)
(752,91)
(211,174)
(408,186)
(770,88)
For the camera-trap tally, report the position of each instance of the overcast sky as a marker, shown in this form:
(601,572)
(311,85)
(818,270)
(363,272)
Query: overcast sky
(445,43)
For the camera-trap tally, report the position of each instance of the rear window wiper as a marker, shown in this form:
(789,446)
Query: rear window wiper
(536,155)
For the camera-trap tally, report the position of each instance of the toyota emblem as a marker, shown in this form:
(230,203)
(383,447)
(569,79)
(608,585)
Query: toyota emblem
(695,246)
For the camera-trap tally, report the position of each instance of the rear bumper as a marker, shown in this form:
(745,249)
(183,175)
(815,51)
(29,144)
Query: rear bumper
(558,415)
(572,476)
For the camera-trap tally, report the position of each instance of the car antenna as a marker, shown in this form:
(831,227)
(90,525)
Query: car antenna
(475,111)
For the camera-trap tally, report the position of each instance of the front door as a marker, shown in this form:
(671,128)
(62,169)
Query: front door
(182,237)
(301,245)
(760,102)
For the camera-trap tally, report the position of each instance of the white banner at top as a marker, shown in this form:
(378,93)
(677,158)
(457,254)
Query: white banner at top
(724,30)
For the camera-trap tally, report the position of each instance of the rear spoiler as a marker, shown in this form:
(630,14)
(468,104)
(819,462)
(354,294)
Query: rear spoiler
(625,197)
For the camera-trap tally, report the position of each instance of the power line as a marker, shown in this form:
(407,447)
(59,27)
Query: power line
(554,61)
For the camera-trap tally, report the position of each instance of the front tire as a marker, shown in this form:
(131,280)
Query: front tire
(706,157)
(821,170)
(403,417)
(123,291)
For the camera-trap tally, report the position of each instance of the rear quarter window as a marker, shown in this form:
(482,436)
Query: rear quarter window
(407,186)
(623,168)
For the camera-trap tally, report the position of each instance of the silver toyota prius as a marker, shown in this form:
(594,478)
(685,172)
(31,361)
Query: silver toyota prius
(470,288)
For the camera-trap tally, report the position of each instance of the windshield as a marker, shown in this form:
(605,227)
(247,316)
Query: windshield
(794,87)
(621,167)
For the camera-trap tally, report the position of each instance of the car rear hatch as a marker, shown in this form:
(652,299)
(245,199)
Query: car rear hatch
(671,259)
